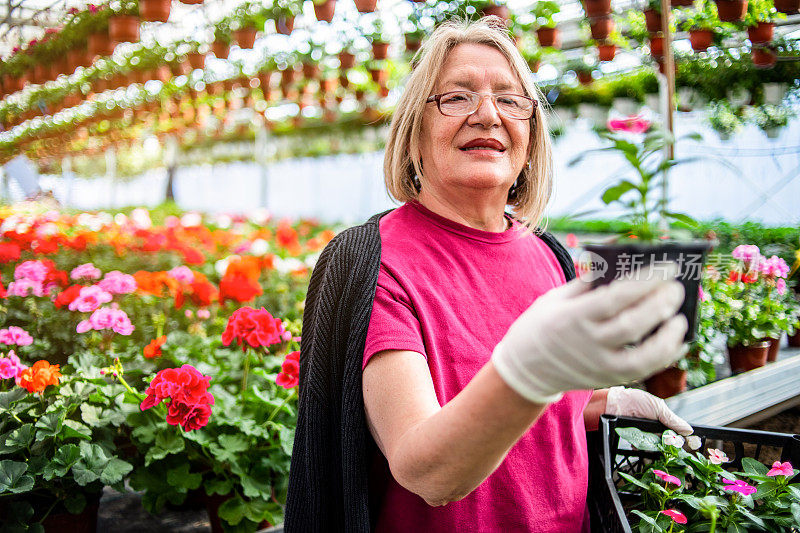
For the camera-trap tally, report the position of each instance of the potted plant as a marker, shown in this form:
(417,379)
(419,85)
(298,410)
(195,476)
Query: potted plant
(701,23)
(546,31)
(583,71)
(652,16)
(123,23)
(380,42)
(601,27)
(607,48)
(324,9)
(597,8)
(283,12)
(787,6)
(247,20)
(222,39)
(533,56)
(771,118)
(760,21)
(731,10)
(724,121)
(155,10)
(366,6)
(413,38)
(643,242)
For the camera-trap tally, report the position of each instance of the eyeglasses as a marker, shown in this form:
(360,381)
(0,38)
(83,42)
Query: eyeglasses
(462,103)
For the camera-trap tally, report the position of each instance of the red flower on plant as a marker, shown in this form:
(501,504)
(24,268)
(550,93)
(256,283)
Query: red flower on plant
(39,376)
(631,124)
(677,516)
(739,486)
(189,416)
(781,469)
(239,289)
(192,256)
(153,349)
(187,391)
(248,326)
(9,251)
(667,478)
(66,296)
(747,277)
(289,376)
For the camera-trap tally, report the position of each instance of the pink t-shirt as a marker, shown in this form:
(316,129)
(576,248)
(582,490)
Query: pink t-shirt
(450,292)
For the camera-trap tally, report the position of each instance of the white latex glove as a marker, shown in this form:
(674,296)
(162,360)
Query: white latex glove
(641,404)
(575,338)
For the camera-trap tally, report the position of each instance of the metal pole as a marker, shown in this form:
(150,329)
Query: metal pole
(669,72)
(262,155)
(111,174)
(68,178)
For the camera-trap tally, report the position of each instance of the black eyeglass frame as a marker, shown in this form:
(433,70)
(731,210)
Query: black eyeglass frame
(438,98)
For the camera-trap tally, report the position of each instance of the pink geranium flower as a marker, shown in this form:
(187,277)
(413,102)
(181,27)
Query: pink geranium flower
(781,469)
(31,270)
(89,299)
(22,287)
(85,271)
(107,318)
(182,273)
(667,478)
(117,282)
(677,516)
(780,286)
(15,336)
(749,254)
(739,486)
(10,366)
(775,267)
(631,124)
(717,457)
(572,240)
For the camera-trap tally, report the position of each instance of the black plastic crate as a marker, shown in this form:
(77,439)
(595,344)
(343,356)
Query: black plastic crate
(607,504)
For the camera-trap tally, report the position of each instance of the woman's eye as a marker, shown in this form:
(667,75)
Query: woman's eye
(508,101)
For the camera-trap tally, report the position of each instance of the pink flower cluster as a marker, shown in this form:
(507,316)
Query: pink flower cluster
(14,335)
(781,469)
(774,267)
(107,318)
(32,270)
(749,254)
(742,487)
(30,277)
(631,124)
(10,366)
(117,282)
(182,274)
(676,516)
(667,478)
(187,389)
(89,299)
(85,271)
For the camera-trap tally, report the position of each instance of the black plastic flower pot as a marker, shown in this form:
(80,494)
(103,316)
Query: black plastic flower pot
(608,262)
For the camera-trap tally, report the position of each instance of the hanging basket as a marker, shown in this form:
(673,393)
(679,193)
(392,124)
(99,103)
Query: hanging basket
(597,8)
(284,25)
(155,10)
(380,50)
(652,20)
(324,11)
(245,37)
(310,70)
(366,6)
(761,33)
(601,27)
(731,10)
(220,49)
(606,52)
(379,75)
(412,43)
(548,37)
(346,60)
(701,39)
(123,29)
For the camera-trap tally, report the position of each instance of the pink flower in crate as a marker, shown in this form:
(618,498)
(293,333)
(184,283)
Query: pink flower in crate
(183,274)
(666,478)
(775,267)
(677,516)
(89,299)
(749,254)
(107,318)
(31,270)
(10,366)
(15,336)
(85,271)
(739,486)
(23,286)
(717,457)
(781,469)
(116,282)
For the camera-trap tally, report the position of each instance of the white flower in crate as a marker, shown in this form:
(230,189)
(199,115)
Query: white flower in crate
(670,438)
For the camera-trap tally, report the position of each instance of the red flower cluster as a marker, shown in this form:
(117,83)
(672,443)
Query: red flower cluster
(66,296)
(153,349)
(187,389)
(238,288)
(39,376)
(289,376)
(747,277)
(254,327)
(9,251)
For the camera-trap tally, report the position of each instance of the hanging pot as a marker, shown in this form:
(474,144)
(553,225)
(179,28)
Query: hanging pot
(379,75)
(744,358)
(500,11)
(220,49)
(761,33)
(366,6)
(731,10)
(601,27)
(763,57)
(99,44)
(191,2)
(324,11)
(656,46)
(606,51)
(774,93)
(412,43)
(380,50)
(548,37)
(155,10)
(652,20)
(245,37)
(701,39)
(196,60)
(597,8)
(343,81)
(787,6)
(75,59)
(328,85)
(39,74)
(123,28)
(667,383)
(284,25)
(346,60)
(794,340)
(310,70)
(774,348)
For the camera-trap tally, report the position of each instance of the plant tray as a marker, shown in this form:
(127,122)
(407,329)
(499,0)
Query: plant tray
(608,505)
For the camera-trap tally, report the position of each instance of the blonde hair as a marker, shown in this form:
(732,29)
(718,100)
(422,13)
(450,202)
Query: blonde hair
(534,184)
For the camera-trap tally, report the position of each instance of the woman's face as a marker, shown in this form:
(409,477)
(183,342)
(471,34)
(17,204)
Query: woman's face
(447,166)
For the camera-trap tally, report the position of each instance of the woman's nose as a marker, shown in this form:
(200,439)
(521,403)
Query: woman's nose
(487,112)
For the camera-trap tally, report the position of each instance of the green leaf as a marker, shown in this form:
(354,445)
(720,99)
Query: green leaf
(735,527)
(751,466)
(253,488)
(631,479)
(13,478)
(91,414)
(90,466)
(180,477)
(49,426)
(764,490)
(686,219)
(796,512)
(650,521)
(75,503)
(73,429)
(62,461)
(230,446)
(10,397)
(613,193)
(641,440)
(115,470)
(218,486)
(286,436)
(258,510)
(17,439)
(233,510)
(167,442)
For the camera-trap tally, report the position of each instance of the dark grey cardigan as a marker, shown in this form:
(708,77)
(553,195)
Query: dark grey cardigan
(328,488)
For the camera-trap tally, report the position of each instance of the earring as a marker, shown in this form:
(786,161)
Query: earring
(417,185)
(512,192)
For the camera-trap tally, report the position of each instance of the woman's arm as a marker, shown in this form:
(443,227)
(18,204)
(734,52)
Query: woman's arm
(595,408)
(441,453)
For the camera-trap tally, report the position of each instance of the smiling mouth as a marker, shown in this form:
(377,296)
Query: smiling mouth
(481,148)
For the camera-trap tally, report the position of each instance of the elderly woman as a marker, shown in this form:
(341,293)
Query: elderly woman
(449,367)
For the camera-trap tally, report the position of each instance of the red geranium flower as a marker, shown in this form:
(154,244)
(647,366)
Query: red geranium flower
(39,376)
(9,251)
(66,296)
(289,376)
(239,289)
(187,391)
(254,327)
(153,349)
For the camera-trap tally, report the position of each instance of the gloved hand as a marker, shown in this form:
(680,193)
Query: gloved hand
(575,338)
(622,401)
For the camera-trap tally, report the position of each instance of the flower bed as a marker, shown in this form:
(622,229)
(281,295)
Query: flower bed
(164,355)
